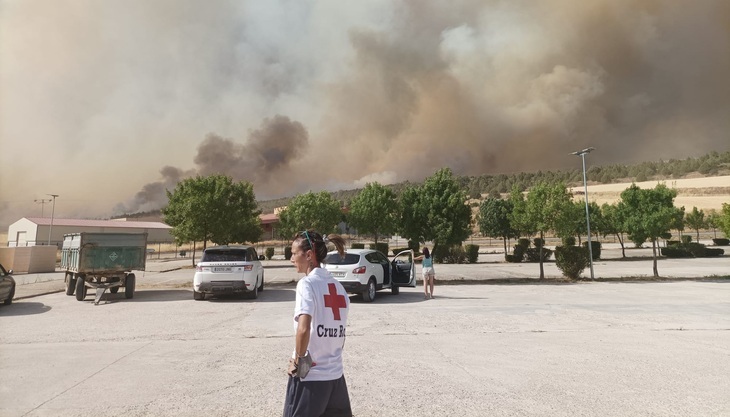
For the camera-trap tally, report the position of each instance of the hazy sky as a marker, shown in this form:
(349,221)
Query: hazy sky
(107,102)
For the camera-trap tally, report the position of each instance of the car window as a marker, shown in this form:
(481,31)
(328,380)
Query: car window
(376,258)
(348,259)
(235,255)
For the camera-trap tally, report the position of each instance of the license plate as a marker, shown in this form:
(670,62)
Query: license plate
(338,274)
(222,269)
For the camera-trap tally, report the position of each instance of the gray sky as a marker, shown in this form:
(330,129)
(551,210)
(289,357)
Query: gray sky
(107,103)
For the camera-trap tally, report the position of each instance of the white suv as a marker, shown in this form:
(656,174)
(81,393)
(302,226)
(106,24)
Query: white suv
(364,271)
(228,270)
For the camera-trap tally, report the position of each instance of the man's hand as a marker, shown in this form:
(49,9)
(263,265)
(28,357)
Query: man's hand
(300,366)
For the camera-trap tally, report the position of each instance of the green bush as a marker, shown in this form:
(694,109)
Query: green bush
(287,252)
(472,253)
(712,252)
(568,241)
(595,247)
(673,242)
(690,250)
(675,251)
(380,246)
(525,243)
(269,253)
(357,246)
(537,242)
(440,253)
(686,239)
(413,244)
(455,255)
(721,242)
(518,253)
(571,260)
(533,254)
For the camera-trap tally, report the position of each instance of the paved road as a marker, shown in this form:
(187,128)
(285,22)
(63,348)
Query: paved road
(583,349)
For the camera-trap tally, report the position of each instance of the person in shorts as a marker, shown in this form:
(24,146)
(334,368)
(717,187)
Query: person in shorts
(429,275)
(320,323)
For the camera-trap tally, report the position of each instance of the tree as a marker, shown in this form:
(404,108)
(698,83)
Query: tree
(493,219)
(436,211)
(613,224)
(541,210)
(213,208)
(374,210)
(572,221)
(650,213)
(724,219)
(318,211)
(713,222)
(696,220)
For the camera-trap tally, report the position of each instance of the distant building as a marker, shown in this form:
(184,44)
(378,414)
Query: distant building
(34,231)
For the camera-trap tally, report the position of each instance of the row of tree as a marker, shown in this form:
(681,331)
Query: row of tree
(641,215)
(217,209)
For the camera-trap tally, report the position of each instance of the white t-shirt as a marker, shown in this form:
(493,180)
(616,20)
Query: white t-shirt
(323,297)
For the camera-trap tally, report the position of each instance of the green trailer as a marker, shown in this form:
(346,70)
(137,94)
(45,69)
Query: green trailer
(102,261)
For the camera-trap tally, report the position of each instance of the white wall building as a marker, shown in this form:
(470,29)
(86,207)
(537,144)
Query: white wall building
(36,231)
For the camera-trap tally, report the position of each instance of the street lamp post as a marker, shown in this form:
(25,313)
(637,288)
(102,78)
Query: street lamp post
(582,155)
(52,214)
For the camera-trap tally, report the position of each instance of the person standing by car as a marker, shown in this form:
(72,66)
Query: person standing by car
(429,275)
(316,385)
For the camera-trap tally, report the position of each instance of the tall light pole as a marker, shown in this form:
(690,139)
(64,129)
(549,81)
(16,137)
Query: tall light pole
(582,155)
(52,213)
(42,202)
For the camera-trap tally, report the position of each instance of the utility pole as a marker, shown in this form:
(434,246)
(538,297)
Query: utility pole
(582,154)
(42,202)
(52,214)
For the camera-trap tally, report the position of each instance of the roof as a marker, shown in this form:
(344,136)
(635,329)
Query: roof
(268,218)
(227,247)
(46,221)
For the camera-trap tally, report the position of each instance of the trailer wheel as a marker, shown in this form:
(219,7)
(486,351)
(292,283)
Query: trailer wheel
(70,280)
(80,288)
(114,290)
(129,283)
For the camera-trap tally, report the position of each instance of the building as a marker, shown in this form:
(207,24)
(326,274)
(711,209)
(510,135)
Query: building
(37,231)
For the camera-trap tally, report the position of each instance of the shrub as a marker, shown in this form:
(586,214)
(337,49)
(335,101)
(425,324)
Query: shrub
(269,253)
(439,253)
(533,254)
(413,244)
(721,242)
(287,252)
(538,242)
(571,260)
(712,252)
(686,239)
(675,251)
(396,251)
(518,254)
(357,246)
(568,241)
(595,248)
(472,253)
(380,246)
(525,243)
(455,255)
(673,242)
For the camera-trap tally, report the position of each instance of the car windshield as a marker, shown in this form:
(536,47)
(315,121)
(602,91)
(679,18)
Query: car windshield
(224,256)
(336,259)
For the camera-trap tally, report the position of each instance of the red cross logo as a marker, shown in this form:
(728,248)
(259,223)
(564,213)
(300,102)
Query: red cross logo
(334,301)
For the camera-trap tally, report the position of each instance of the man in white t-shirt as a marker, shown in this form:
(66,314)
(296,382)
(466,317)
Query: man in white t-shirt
(320,324)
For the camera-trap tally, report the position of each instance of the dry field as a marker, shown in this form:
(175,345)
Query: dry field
(704,193)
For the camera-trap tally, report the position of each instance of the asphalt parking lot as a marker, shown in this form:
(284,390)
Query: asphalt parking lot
(514,348)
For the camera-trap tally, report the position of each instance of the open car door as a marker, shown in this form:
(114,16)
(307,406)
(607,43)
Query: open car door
(404,269)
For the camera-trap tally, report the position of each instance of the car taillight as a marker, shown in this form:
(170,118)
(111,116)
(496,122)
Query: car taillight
(198,268)
(248,267)
(359,270)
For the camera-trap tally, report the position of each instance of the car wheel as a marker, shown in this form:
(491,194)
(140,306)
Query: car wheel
(395,290)
(369,294)
(10,296)
(114,290)
(80,288)
(254,294)
(197,296)
(129,284)
(70,283)
(261,287)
